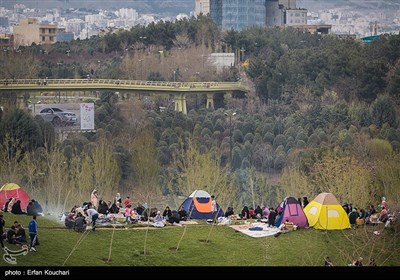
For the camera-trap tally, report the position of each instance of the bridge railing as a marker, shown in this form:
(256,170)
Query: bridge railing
(41,82)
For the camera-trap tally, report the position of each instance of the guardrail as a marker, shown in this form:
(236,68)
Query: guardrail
(69,84)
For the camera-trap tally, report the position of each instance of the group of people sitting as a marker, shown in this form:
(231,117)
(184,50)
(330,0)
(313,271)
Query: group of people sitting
(76,221)
(132,214)
(16,234)
(78,218)
(13,206)
(370,216)
(259,213)
(173,216)
(124,207)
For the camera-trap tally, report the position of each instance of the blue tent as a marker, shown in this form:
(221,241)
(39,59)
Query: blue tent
(198,206)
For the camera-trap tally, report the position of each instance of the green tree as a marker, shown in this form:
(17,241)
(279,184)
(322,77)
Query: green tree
(383,110)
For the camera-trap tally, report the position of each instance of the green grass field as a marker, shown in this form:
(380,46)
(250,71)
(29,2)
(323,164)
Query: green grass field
(226,247)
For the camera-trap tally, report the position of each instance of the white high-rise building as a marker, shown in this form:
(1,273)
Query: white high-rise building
(202,7)
(93,18)
(129,14)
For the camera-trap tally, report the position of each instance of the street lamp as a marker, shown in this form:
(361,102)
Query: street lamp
(230,136)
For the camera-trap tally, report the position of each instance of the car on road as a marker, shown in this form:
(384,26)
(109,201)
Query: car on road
(58,117)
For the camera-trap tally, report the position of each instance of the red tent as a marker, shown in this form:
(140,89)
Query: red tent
(9,190)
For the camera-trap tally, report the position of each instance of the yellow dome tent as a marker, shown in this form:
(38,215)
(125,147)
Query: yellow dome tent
(325,212)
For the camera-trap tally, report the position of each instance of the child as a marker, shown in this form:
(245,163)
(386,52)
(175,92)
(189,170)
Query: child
(128,213)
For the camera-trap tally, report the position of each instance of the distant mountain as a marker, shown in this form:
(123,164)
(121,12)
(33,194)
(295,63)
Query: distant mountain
(165,7)
(315,5)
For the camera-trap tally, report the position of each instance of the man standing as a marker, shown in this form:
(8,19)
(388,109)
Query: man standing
(33,233)
(213,208)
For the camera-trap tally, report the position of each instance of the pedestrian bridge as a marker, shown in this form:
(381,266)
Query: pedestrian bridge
(179,89)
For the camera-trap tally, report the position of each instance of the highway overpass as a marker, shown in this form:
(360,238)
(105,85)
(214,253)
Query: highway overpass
(179,89)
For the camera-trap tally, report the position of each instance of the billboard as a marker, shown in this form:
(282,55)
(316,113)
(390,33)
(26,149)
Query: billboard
(87,116)
(70,116)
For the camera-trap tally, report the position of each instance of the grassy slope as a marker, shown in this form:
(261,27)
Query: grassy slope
(226,247)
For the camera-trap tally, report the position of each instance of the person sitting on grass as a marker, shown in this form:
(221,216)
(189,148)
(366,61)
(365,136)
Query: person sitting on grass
(11,237)
(328,262)
(114,209)
(158,220)
(353,216)
(167,213)
(174,217)
(252,213)
(372,262)
(229,212)
(20,234)
(80,223)
(271,217)
(30,209)
(103,207)
(16,208)
(93,216)
(6,204)
(182,214)
(383,216)
(69,221)
(38,208)
(245,213)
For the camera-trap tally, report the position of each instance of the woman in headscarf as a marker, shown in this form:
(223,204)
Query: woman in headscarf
(10,204)
(16,208)
(384,203)
(118,200)
(94,199)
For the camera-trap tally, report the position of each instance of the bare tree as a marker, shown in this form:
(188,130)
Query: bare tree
(106,175)
(10,153)
(145,165)
(203,171)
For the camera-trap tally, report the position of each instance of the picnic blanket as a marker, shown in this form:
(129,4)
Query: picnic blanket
(188,222)
(256,229)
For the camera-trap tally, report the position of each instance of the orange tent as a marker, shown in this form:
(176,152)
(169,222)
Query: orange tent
(10,190)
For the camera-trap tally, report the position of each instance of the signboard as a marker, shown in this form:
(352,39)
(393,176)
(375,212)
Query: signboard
(71,116)
(87,116)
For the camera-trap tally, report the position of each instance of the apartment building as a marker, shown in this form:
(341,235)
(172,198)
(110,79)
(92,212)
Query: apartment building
(31,31)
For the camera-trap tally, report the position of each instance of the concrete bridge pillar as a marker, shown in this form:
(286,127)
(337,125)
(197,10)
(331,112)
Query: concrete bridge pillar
(210,101)
(228,95)
(180,103)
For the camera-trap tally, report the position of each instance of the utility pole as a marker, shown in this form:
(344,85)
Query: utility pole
(230,137)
